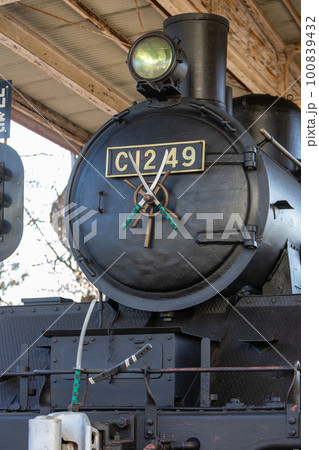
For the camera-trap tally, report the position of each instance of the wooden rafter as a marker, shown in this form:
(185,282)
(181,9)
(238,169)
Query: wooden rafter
(49,124)
(255,50)
(7,2)
(105,28)
(294,14)
(29,45)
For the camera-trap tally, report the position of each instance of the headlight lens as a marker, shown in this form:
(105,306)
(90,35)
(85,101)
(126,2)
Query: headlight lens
(152,57)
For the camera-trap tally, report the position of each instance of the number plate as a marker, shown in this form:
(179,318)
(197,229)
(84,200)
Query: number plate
(183,157)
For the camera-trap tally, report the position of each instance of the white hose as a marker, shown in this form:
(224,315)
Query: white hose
(82,335)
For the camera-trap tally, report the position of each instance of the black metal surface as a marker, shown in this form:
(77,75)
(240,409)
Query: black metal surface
(156,278)
(280,117)
(220,431)
(204,39)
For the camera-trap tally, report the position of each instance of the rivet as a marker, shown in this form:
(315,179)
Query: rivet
(92,339)
(169,358)
(74,339)
(54,380)
(150,422)
(149,433)
(55,340)
(169,379)
(169,337)
(273,300)
(54,360)
(131,338)
(78,308)
(292,420)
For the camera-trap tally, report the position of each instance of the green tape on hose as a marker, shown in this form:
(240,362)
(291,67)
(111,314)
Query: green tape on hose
(76,387)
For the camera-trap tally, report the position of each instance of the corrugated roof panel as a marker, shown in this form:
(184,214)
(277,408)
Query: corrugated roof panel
(281,19)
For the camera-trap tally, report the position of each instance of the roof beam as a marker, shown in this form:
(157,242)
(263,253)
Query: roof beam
(7,2)
(294,14)
(99,22)
(49,124)
(35,49)
(255,50)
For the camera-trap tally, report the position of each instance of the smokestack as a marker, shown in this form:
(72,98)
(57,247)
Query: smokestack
(204,39)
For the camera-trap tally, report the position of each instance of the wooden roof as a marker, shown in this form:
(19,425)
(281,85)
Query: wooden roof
(67,58)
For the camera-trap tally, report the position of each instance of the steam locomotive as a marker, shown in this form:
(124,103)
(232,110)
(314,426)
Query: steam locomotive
(193,241)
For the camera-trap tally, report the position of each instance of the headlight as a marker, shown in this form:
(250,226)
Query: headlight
(151,58)
(157,61)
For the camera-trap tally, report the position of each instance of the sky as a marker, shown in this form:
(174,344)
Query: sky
(47,169)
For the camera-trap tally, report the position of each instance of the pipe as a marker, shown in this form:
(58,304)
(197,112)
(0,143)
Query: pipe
(279,146)
(203,37)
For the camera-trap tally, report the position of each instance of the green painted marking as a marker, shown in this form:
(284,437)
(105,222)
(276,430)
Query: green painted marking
(130,217)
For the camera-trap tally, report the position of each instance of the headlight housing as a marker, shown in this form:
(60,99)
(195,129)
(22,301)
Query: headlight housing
(157,63)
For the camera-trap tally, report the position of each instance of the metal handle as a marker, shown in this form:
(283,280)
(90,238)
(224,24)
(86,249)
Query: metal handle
(276,144)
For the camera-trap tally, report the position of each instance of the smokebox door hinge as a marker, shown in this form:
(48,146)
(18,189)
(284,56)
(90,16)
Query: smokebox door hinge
(250,157)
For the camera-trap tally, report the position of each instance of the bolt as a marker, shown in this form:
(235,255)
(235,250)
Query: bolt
(273,300)
(54,360)
(123,422)
(292,432)
(149,433)
(54,380)
(33,310)
(92,339)
(74,339)
(292,420)
(1,311)
(248,300)
(169,337)
(78,308)
(150,338)
(169,358)
(131,338)
(169,379)
(55,341)
(150,422)
(12,311)
(55,308)
(235,400)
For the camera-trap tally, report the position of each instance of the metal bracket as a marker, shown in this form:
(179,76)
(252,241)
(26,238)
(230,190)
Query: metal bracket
(205,376)
(24,381)
(225,123)
(248,236)
(116,432)
(293,404)
(250,157)
(150,419)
